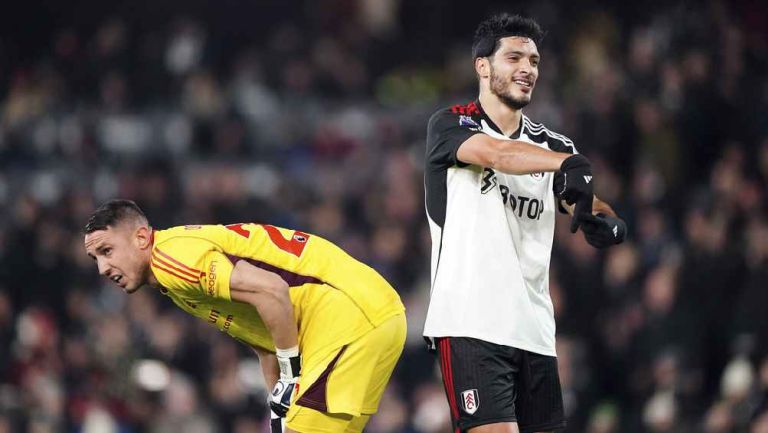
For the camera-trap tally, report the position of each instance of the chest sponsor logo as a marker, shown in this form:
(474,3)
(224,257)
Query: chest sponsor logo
(228,322)
(489,181)
(214,315)
(522,206)
(470,401)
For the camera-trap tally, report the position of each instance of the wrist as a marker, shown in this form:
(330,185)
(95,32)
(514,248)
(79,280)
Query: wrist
(287,353)
(289,361)
(576,160)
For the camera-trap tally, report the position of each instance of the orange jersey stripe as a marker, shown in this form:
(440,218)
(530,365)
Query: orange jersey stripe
(158,259)
(171,272)
(178,263)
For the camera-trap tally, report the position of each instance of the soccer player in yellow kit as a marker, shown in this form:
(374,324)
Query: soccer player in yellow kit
(328,329)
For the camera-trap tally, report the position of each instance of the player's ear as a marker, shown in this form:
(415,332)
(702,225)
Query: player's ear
(483,67)
(144,237)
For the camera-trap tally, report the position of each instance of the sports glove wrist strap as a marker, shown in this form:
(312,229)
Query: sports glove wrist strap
(289,362)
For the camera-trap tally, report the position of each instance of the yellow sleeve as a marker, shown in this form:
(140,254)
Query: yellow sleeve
(192,266)
(214,279)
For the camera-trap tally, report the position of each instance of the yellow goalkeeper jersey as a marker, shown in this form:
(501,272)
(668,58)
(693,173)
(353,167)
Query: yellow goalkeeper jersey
(336,298)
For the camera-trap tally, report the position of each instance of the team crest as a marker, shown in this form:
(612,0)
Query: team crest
(470,401)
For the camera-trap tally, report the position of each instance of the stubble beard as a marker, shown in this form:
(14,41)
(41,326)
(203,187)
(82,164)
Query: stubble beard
(500,88)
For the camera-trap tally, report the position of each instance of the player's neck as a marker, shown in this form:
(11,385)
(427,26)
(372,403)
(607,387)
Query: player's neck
(506,118)
(150,279)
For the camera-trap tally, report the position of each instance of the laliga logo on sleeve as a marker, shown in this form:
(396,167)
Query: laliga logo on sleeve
(468,121)
(470,401)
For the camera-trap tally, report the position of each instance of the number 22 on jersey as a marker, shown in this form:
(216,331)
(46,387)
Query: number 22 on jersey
(295,245)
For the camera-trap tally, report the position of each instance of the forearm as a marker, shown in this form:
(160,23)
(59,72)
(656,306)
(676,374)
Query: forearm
(519,157)
(269,368)
(509,156)
(276,311)
(268,293)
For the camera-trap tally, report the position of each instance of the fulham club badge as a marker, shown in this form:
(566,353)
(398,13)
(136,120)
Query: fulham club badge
(470,401)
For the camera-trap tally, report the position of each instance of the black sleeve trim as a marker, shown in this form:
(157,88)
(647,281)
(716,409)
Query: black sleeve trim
(446,132)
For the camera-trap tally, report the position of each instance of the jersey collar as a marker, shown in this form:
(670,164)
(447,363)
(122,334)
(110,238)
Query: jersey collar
(493,126)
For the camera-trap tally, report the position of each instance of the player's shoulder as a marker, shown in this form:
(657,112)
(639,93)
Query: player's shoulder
(467,115)
(189,234)
(539,133)
(176,256)
(186,243)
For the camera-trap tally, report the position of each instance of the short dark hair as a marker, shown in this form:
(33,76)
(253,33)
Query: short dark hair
(490,31)
(112,213)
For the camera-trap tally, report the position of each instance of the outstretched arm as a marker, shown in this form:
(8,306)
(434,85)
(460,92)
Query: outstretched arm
(509,156)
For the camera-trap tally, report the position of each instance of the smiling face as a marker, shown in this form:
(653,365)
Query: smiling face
(512,71)
(122,254)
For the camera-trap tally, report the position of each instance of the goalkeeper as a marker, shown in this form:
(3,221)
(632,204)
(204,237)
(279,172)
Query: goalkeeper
(328,329)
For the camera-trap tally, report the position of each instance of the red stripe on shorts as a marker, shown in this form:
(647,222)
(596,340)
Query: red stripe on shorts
(447,368)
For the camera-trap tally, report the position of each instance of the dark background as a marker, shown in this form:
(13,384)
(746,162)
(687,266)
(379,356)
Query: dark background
(312,115)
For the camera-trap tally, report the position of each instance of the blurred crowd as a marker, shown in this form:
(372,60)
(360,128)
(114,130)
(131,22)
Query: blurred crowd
(312,115)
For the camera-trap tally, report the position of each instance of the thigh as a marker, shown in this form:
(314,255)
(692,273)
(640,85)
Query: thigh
(381,351)
(357,424)
(479,381)
(354,380)
(540,398)
(307,420)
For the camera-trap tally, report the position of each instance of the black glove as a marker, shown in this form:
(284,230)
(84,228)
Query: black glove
(574,185)
(576,180)
(602,231)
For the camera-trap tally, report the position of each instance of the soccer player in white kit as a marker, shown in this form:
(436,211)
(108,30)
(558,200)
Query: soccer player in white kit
(494,179)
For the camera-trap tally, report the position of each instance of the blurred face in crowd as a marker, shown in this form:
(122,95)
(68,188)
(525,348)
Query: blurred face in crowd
(122,254)
(512,70)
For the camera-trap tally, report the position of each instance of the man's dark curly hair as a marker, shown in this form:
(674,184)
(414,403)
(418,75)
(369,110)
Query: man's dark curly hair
(112,213)
(490,31)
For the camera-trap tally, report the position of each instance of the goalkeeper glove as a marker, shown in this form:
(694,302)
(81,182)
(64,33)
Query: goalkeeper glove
(574,185)
(275,423)
(602,231)
(289,361)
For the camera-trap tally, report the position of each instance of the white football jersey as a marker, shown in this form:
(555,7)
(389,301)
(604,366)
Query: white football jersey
(491,237)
